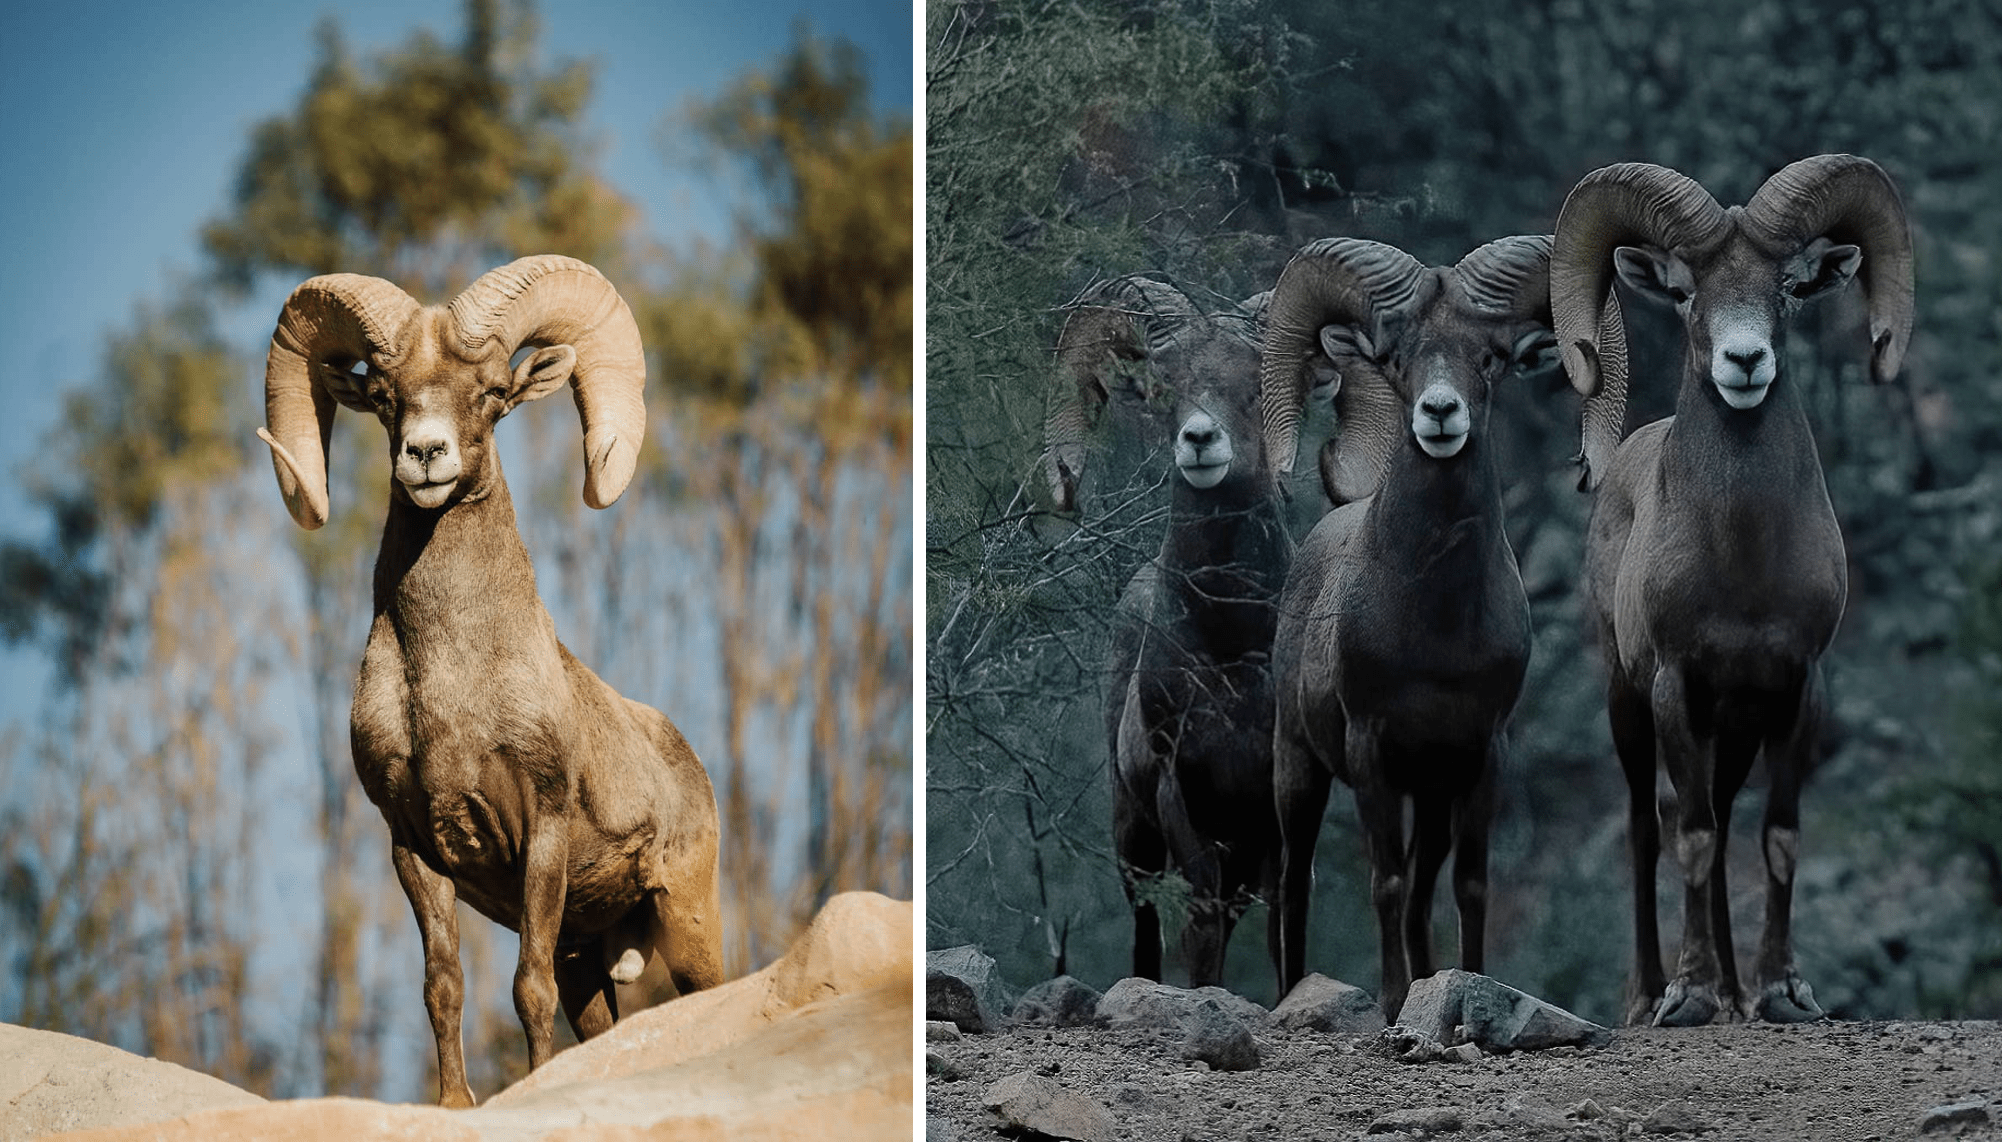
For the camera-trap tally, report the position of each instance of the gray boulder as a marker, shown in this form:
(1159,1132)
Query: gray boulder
(1457,1006)
(1954,1116)
(1142,1004)
(1214,1036)
(960,986)
(1059,1002)
(1028,1101)
(1318,1003)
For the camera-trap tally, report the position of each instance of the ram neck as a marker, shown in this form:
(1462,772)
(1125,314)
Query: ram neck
(1226,553)
(1749,473)
(1440,637)
(458,576)
(1439,522)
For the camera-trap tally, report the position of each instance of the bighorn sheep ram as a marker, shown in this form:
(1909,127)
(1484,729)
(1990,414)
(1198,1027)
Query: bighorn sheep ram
(1189,704)
(1714,568)
(1403,630)
(509,774)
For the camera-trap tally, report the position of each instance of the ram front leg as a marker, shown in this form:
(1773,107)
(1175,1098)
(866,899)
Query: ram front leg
(545,867)
(1381,813)
(435,903)
(1691,998)
(1431,840)
(1200,861)
(1782,995)
(1300,787)
(1136,836)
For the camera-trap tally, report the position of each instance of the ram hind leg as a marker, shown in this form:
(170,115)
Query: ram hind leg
(1142,858)
(434,901)
(1473,818)
(1782,996)
(1300,785)
(1632,716)
(585,989)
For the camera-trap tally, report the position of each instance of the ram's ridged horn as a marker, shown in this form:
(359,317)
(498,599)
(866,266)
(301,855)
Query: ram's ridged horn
(1123,319)
(332,320)
(1603,417)
(552,300)
(1850,200)
(1626,204)
(1508,276)
(1345,281)
(1092,336)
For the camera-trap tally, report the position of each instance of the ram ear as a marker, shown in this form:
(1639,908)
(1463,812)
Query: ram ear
(1823,267)
(1654,272)
(1534,354)
(344,383)
(541,373)
(1340,341)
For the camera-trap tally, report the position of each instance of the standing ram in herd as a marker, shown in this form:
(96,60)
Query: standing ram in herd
(1390,648)
(1192,636)
(1715,572)
(1403,634)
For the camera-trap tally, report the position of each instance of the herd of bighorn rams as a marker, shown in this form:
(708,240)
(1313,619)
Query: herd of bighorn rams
(1388,647)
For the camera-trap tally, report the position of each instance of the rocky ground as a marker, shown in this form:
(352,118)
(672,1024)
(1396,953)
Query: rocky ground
(1134,1077)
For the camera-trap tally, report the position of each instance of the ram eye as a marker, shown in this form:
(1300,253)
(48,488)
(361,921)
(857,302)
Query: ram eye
(497,393)
(1677,294)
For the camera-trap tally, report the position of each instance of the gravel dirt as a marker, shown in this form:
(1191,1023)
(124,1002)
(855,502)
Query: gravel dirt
(1845,1082)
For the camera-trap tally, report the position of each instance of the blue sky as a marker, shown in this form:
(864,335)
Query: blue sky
(123,125)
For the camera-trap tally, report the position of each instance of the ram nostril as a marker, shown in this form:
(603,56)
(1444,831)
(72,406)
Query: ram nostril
(1199,436)
(1747,359)
(1439,407)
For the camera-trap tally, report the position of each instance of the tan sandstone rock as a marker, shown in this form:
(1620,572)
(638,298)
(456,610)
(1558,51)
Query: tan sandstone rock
(51,1082)
(815,1046)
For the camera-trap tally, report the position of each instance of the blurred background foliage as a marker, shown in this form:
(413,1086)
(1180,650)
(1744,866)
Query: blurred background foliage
(1207,140)
(754,584)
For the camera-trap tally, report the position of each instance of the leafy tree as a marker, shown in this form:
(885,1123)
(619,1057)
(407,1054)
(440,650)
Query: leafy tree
(796,360)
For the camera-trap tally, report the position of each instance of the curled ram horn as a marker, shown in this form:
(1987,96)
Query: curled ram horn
(329,324)
(552,300)
(1346,281)
(1851,200)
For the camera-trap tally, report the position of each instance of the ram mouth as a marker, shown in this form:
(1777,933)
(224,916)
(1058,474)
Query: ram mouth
(430,495)
(1205,475)
(1441,445)
(1742,397)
